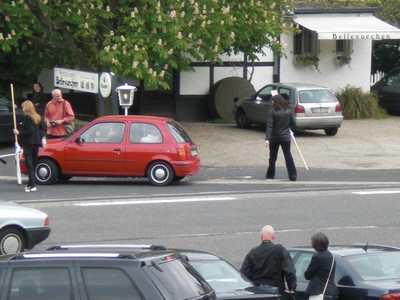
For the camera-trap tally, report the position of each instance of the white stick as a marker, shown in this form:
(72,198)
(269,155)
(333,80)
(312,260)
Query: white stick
(17,147)
(298,149)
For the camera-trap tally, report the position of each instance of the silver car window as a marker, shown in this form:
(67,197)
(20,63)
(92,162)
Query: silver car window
(316,96)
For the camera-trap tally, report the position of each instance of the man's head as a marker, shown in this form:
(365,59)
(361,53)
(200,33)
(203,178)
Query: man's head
(268,233)
(57,95)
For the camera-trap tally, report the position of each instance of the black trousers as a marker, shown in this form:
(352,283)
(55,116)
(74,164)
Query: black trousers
(31,161)
(273,156)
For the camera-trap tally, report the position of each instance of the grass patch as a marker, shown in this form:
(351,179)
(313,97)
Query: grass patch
(357,104)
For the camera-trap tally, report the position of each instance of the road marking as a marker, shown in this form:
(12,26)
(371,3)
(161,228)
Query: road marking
(376,192)
(158,201)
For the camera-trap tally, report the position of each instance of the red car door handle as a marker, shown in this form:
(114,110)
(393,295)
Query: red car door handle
(117,149)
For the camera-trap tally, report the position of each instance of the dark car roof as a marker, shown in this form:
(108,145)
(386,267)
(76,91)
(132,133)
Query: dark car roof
(356,249)
(133,255)
(138,250)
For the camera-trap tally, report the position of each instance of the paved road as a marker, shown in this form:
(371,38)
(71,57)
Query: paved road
(359,145)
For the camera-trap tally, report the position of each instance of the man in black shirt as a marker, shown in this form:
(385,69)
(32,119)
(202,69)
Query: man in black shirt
(268,265)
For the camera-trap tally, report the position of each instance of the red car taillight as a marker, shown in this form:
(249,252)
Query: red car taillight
(393,296)
(338,108)
(299,109)
(187,152)
(182,154)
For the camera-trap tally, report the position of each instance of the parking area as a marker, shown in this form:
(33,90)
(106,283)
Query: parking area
(359,145)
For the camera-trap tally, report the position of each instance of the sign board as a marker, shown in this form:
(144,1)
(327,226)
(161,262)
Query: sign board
(76,80)
(105,84)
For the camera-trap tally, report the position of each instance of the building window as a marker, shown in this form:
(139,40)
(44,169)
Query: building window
(343,52)
(305,42)
(343,47)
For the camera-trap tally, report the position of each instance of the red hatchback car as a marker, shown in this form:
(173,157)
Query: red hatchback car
(121,146)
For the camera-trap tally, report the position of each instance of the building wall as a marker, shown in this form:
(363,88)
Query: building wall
(330,74)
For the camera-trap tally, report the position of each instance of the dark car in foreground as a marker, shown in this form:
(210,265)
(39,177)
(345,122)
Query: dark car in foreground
(7,120)
(314,107)
(21,227)
(388,90)
(106,274)
(227,282)
(121,146)
(363,272)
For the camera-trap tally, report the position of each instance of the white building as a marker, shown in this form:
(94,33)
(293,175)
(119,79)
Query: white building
(340,39)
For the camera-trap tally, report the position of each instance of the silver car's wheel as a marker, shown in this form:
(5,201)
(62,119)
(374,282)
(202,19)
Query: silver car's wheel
(11,241)
(160,173)
(331,131)
(46,172)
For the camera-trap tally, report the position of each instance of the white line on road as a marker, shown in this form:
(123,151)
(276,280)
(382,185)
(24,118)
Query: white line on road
(158,201)
(376,192)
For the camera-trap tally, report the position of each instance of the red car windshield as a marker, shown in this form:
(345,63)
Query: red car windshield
(178,132)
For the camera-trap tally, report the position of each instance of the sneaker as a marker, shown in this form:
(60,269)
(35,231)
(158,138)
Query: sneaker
(30,189)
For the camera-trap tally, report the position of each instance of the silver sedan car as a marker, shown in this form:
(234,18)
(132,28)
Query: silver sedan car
(314,107)
(21,227)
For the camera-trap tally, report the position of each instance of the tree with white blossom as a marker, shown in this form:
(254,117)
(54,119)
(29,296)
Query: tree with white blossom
(143,40)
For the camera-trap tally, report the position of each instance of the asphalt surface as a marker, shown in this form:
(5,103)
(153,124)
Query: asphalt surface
(359,145)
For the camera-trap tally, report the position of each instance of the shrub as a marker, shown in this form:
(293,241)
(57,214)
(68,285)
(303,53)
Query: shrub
(357,104)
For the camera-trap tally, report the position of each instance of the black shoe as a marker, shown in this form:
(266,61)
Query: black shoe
(293,178)
(269,177)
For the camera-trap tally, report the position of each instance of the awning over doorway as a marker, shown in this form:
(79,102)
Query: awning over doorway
(348,27)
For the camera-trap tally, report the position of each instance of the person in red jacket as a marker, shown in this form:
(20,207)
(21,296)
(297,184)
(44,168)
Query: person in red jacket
(58,112)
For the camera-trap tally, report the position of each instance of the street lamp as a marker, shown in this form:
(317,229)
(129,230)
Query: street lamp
(125,96)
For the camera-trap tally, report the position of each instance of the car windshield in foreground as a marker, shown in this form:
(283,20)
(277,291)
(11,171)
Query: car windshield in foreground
(178,132)
(220,275)
(377,266)
(316,96)
(179,278)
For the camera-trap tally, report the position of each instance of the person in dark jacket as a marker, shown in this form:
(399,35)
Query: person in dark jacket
(39,98)
(278,133)
(269,264)
(319,268)
(30,139)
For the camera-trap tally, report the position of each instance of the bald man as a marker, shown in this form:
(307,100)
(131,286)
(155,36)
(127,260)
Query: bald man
(57,112)
(268,265)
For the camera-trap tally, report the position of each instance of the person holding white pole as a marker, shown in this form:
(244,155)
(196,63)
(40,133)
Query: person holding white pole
(279,122)
(30,134)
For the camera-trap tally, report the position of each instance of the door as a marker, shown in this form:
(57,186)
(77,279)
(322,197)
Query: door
(99,150)
(258,109)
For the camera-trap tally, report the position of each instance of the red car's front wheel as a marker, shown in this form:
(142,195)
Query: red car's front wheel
(46,172)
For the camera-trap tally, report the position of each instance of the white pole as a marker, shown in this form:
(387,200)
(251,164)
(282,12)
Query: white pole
(298,149)
(17,147)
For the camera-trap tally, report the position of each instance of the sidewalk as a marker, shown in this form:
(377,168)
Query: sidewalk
(359,145)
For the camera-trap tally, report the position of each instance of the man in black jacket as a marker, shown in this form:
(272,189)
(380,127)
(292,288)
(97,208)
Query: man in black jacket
(269,264)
